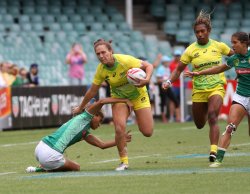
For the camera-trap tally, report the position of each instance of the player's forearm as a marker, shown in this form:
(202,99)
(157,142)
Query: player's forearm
(149,72)
(175,75)
(108,144)
(88,96)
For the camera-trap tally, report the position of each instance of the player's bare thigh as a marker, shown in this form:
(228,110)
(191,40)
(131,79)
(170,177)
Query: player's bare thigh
(200,110)
(145,121)
(120,112)
(214,104)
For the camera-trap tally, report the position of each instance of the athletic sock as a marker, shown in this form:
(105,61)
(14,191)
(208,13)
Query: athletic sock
(38,169)
(124,160)
(213,148)
(220,154)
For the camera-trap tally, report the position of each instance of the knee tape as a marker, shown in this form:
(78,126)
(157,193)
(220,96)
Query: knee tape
(231,128)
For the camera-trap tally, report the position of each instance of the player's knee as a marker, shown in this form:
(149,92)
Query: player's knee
(120,130)
(212,118)
(199,125)
(230,129)
(147,133)
(78,168)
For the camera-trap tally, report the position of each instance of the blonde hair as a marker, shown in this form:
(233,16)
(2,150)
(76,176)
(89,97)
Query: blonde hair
(203,18)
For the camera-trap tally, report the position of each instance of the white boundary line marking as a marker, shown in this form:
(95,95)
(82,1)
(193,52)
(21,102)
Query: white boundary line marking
(241,144)
(17,144)
(5,173)
(113,160)
(143,172)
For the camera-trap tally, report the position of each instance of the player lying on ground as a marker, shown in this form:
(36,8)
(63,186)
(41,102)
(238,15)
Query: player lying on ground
(49,151)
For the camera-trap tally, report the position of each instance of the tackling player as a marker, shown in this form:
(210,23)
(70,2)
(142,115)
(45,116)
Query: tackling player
(208,91)
(241,99)
(49,151)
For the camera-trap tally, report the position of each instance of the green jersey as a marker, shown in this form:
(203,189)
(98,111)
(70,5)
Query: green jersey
(241,63)
(70,133)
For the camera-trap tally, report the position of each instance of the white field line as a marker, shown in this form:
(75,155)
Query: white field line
(114,160)
(139,173)
(241,144)
(5,173)
(18,144)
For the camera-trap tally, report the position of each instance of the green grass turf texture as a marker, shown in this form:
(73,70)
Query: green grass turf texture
(163,163)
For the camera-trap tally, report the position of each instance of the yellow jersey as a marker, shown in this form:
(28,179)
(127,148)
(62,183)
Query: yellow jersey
(203,57)
(116,77)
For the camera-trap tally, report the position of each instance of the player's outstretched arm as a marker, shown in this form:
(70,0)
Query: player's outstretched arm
(93,140)
(92,91)
(210,71)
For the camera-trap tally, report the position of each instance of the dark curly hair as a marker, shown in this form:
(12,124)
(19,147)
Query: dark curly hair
(203,18)
(243,37)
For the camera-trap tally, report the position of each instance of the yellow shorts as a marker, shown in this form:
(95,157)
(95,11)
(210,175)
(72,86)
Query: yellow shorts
(203,96)
(142,101)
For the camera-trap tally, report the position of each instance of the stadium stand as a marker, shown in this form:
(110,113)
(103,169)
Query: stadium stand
(42,31)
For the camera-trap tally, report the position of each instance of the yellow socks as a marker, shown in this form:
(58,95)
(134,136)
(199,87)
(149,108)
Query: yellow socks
(124,160)
(213,148)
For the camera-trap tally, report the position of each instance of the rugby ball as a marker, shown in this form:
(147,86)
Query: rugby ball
(135,73)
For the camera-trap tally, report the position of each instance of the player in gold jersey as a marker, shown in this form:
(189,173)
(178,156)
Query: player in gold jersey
(208,90)
(113,69)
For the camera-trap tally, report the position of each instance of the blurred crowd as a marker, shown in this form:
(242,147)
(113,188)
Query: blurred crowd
(14,76)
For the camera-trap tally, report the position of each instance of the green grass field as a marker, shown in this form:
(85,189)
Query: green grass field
(173,160)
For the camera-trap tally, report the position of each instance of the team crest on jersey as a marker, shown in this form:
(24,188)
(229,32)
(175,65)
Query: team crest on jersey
(143,99)
(196,55)
(236,62)
(122,74)
(205,51)
(114,74)
(107,78)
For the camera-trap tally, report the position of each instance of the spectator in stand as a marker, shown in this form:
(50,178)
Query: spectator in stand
(76,59)
(168,100)
(32,75)
(21,78)
(14,72)
(6,73)
(2,80)
(176,85)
